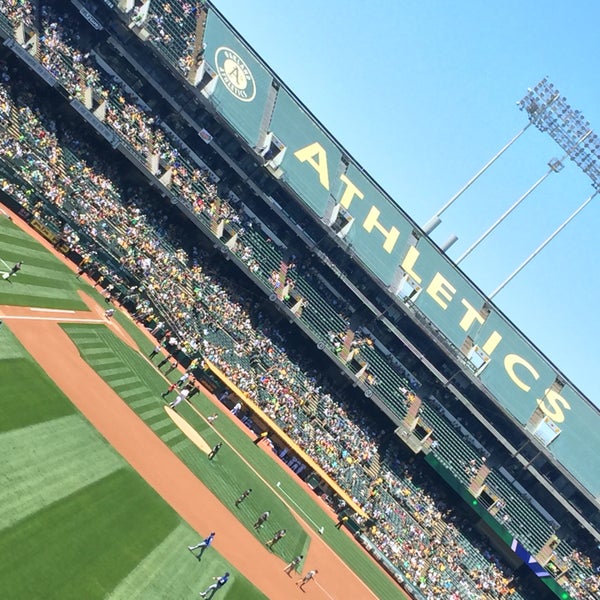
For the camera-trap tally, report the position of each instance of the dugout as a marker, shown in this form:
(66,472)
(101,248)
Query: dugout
(286,449)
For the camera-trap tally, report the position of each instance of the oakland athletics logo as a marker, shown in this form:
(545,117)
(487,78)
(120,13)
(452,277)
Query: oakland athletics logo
(234,74)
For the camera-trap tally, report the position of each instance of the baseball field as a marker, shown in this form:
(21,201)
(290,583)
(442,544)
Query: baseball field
(103,487)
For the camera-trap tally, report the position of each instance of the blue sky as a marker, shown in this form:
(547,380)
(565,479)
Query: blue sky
(423,93)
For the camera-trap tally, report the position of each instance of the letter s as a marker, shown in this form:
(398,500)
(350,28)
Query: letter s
(553,399)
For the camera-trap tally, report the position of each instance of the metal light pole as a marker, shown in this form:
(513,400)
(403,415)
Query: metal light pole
(542,246)
(555,167)
(435,220)
(569,129)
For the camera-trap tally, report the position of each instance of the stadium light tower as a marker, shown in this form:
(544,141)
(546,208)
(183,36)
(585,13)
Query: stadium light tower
(569,129)
(565,126)
(535,112)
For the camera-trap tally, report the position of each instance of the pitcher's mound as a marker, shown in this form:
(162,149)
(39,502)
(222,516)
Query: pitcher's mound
(188,430)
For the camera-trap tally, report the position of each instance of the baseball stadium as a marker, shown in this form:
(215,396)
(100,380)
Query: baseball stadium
(214,321)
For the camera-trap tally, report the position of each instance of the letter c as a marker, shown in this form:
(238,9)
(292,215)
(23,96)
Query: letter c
(510,360)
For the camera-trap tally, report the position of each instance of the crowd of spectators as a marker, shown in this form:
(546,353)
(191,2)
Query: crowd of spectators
(61,169)
(140,130)
(435,554)
(15,12)
(173,28)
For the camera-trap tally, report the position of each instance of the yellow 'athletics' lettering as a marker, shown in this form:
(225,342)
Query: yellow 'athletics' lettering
(439,288)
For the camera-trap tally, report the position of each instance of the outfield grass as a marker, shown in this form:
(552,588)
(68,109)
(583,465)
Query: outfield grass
(139,384)
(76,521)
(43,280)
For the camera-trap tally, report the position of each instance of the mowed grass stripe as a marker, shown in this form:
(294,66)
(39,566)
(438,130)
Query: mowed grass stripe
(171,435)
(49,461)
(128,381)
(16,237)
(28,395)
(159,420)
(111,371)
(38,277)
(40,265)
(133,393)
(149,415)
(39,299)
(85,544)
(169,571)
(94,350)
(141,403)
(27,284)
(32,254)
(109,363)
(101,354)
(182,446)
(163,428)
(227,475)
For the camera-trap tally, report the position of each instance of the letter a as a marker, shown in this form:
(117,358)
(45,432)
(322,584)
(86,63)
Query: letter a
(316,157)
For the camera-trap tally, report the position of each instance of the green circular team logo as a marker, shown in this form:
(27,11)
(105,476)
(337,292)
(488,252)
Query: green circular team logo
(234,74)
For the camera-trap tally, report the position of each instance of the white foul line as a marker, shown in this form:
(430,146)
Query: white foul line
(61,319)
(52,310)
(323,590)
(319,529)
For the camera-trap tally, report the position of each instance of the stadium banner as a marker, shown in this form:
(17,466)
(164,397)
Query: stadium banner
(243,83)
(528,559)
(46,232)
(445,295)
(518,375)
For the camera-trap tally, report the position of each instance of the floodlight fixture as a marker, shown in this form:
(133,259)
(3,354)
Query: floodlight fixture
(565,125)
